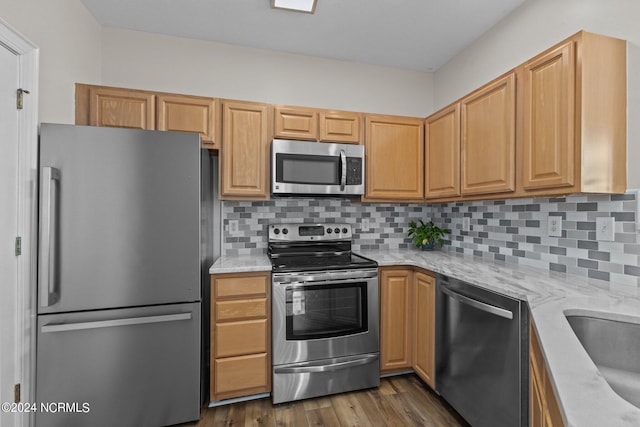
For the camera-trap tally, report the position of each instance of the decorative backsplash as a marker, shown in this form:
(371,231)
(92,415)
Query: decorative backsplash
(505,230)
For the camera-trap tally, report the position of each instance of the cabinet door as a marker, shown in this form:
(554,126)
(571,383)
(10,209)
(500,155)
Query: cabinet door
(548,113)
(122,108)
(245,146)
(424,330)
(296,123)
(395,319)
(188,114)
(340,127)
(488,138)
(442,148)
(394,149)
(536,408)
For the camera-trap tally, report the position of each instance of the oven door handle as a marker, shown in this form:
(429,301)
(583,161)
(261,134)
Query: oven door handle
(325,277)
(332,367)
(498,311)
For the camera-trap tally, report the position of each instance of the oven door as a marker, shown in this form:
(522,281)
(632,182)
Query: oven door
(321,315)
(302,167)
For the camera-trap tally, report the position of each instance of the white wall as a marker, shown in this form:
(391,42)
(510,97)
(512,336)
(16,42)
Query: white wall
(69,40)
(535,26)
(171,64)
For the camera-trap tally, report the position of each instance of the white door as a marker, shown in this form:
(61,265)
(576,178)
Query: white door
(8,228)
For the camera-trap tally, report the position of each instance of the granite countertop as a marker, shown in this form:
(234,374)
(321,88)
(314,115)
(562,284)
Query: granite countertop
(586,399)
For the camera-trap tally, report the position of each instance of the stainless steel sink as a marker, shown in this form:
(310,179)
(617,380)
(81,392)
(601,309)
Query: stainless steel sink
(614,346)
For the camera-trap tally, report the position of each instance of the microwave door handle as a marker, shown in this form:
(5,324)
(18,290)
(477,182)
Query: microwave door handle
(343,168)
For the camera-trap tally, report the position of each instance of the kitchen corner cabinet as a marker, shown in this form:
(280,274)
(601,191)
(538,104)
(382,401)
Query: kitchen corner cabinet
(244,171)
(544,410)
(442,148)
(407,322)
(138,109)
(572,118)
(317,125)
(394,153)
(396,315)
(424,297)
(240,363)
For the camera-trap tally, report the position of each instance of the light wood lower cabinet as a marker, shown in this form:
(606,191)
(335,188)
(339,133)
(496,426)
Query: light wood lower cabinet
(424,308)
(240,335)
(407,321)
(544,410)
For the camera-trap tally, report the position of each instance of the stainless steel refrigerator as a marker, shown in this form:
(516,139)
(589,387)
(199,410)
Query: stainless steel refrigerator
(124,243)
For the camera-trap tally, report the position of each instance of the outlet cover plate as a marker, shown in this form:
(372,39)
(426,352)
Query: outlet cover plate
(554,226)
(605,229)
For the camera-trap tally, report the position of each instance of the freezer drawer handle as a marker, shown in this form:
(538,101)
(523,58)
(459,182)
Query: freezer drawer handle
(63,327)
(325,368)
(46,256)
(477,304)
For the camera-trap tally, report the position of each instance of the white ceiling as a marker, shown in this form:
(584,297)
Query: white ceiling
(413,34)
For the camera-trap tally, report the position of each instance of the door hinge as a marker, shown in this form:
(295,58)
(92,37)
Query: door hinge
(19,100)
(16,393)
(18,245)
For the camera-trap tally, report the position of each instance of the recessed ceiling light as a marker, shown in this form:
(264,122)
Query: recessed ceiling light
(307,6)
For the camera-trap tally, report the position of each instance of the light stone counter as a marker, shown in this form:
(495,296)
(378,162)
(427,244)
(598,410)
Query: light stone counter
(241,264)
(585,397)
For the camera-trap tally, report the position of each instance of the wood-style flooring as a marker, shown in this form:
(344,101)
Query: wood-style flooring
(399,401)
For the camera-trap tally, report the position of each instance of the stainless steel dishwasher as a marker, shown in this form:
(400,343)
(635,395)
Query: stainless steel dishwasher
(482,354)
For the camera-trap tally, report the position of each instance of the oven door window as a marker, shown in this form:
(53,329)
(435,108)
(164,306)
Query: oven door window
(327,311)
(307,169)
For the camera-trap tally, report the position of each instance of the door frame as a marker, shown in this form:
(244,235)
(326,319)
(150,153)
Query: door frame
(27,55)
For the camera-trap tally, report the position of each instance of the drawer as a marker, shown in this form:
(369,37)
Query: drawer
(230,286)
(236,338)
(243,373)
(229,310)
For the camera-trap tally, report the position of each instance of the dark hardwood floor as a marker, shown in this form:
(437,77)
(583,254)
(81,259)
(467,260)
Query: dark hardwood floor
(399,401)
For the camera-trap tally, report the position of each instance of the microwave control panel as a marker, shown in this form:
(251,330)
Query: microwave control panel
(354,171)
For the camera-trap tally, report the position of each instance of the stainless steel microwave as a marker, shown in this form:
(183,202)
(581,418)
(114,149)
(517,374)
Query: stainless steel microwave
(316,168)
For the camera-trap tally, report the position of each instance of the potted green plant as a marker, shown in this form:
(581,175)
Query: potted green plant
(425,236)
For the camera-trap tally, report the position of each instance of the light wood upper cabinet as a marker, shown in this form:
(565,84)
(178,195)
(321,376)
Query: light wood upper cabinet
(396,308)
(240,335)
(442,153)
(296,123)
(572,117)
(488,138)
(394,150)
(340,127)
(189,114)
(244,173)
(548,142)
(123,108)
(424,296)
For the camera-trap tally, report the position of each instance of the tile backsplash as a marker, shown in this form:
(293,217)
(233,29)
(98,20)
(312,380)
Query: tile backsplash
(512,230)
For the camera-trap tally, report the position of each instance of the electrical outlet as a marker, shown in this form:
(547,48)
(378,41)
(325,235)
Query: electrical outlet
(466,223)
(605,228)
(364,224)
(554,226)
(233,226)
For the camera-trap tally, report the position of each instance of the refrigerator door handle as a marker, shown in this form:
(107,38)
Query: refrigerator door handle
(46,255)
(64,327)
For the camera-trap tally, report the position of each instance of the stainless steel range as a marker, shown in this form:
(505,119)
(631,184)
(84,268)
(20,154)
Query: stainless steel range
(324,314)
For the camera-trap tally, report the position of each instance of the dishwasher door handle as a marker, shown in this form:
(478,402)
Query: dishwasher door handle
(478,304)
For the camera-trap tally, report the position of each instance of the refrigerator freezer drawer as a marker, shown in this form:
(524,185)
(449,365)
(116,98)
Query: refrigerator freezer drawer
(133,367)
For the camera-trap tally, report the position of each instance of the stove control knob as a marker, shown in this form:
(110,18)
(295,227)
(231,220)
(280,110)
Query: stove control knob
(285,231)
(337,230)
(344,230)
(329,231)
(276,231)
